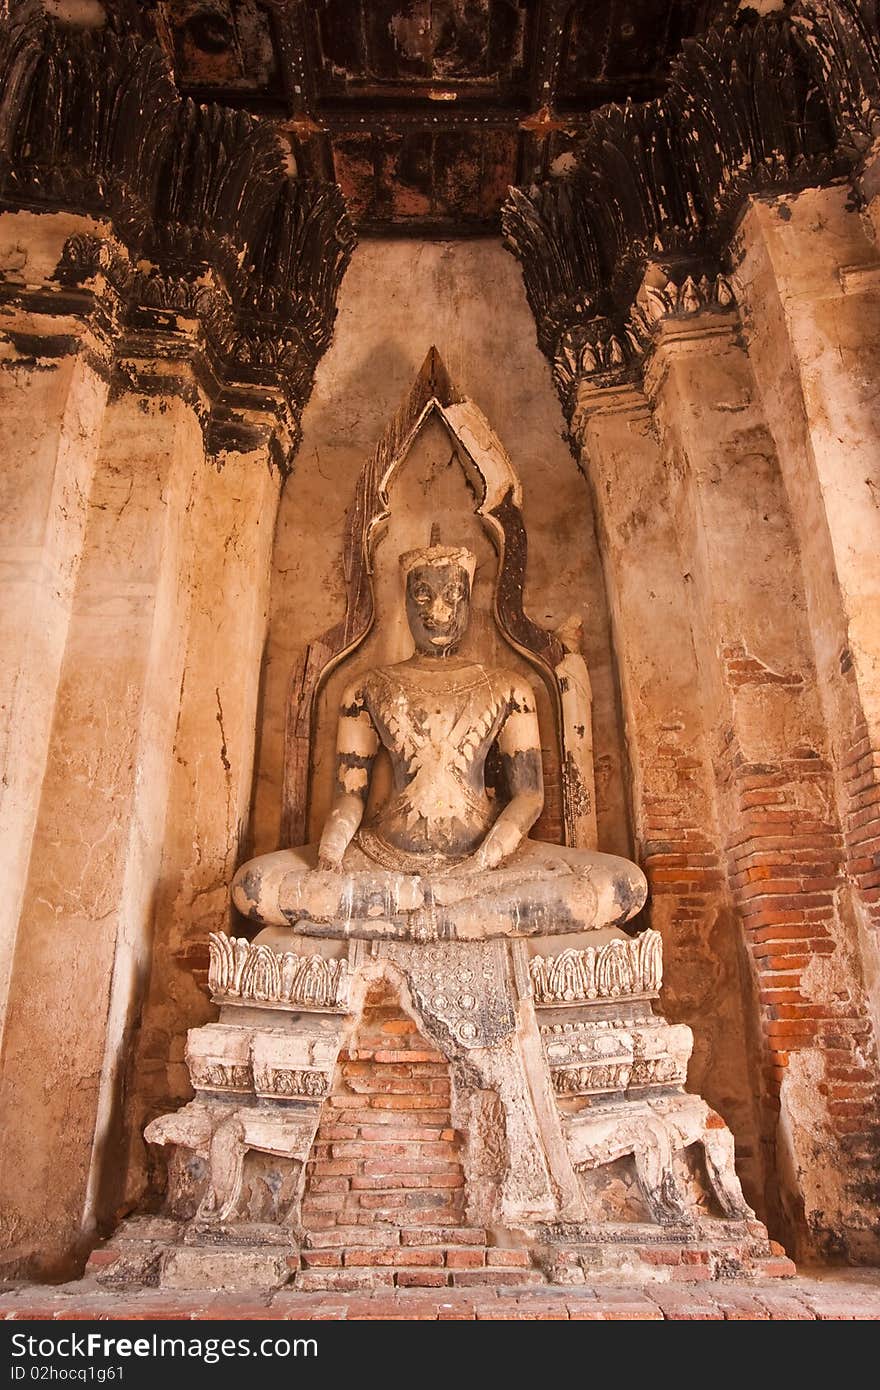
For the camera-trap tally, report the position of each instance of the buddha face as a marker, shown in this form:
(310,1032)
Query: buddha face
(437,606)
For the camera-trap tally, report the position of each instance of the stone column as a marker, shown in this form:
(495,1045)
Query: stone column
(809,282)
(673,793)
(54,371)
(776,788)
(231,529)
(84,934)
(215,276)
(147,782)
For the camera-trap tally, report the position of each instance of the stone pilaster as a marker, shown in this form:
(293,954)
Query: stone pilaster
(231,530)
(153,729)
(673,791)
(810,286)
(55,352)
(84,934)
(782,835)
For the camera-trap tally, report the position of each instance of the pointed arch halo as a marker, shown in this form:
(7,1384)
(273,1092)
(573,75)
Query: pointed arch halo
(496,484)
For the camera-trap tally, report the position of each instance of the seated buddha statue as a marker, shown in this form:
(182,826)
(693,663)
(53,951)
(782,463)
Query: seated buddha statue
(444,858)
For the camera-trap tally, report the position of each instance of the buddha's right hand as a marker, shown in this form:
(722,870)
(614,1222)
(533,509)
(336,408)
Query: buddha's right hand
(340,828)
(331,848)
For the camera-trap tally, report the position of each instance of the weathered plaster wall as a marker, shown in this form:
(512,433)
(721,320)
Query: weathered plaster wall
(134,573)
(83,936)
(809,279)
(781,836)
(51,404)
(751,456)
(670,729)
(467,299)
(229,531)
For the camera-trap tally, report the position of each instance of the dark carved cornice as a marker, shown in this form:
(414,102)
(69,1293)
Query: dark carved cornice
(221,173)
(86,118)
(843,39)
(750,117)
(197,197)
(551,231)
(769,105)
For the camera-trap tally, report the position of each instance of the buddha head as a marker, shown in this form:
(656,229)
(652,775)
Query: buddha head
(438,591)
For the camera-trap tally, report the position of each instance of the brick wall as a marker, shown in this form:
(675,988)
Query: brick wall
(787,862)
(385,1150)
(861,782)
(689,905)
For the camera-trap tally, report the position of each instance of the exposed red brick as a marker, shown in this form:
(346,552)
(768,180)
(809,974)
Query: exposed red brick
(508,1259)
(465,1259)
(422,1279)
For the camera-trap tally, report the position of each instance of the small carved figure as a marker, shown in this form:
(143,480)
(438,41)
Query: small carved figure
(219,1138)
(653,1131)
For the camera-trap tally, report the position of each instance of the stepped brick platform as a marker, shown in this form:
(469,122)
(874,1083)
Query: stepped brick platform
(385,1152)
(415,1257)
(839,1295)
(385,1189)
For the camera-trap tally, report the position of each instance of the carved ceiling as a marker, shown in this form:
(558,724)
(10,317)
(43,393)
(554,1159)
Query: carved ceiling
(218,182)
(425,111)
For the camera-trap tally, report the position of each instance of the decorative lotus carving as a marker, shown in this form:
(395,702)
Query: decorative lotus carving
(242,971)
(607,972)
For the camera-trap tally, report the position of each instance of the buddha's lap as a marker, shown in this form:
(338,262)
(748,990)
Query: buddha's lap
(536,864)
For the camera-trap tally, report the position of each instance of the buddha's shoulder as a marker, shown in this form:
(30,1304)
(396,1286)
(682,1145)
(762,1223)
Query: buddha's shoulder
(517,689)
(359,690)
(373,684)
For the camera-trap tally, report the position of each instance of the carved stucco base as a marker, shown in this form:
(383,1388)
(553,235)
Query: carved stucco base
(548,1095)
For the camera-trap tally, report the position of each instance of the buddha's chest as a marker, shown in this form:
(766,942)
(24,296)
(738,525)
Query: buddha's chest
(449,729)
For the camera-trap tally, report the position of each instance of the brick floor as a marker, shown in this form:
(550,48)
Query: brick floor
(831,1294)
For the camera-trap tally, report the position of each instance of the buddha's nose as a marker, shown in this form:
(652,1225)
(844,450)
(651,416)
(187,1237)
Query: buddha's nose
(440,611)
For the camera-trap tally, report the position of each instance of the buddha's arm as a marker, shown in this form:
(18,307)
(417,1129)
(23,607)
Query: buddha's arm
(356,746)
(519,744)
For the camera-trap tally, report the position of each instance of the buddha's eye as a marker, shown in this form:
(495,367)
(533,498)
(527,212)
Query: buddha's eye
(422,594)
(454,594)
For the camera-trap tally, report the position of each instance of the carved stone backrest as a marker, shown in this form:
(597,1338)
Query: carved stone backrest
(496,484)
